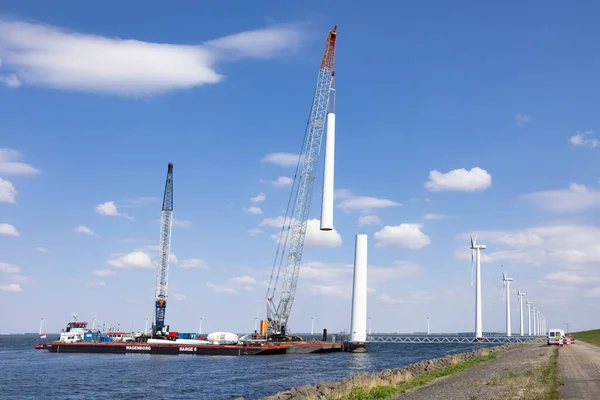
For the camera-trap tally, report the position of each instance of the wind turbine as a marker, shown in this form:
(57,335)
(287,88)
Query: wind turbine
(475,251)
(506,284)
(534,321)
(520,296)
(528,317)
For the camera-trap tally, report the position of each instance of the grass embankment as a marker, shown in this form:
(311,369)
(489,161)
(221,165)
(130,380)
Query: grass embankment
(591,337)
(539,383)
(383,392)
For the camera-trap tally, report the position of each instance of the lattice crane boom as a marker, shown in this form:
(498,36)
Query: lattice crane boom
(294,226)
(164,255)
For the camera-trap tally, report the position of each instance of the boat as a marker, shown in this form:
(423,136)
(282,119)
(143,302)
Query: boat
(76,338)
(241,349)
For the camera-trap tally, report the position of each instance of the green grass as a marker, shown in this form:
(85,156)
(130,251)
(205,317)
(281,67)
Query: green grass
(592,337)
(384,392)
(550,377)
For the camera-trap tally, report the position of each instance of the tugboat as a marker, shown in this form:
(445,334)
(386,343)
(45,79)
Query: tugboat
(74,332)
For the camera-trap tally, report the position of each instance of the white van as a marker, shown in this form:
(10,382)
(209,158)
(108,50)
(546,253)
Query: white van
(554,336)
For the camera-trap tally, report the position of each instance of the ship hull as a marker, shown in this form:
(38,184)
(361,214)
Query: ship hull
(203,350)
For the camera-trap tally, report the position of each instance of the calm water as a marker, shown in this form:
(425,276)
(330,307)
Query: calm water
(26,373)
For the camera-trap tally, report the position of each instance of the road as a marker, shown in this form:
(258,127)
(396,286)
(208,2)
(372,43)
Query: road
(579,369)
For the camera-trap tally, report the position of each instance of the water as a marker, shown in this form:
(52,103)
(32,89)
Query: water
(27,373)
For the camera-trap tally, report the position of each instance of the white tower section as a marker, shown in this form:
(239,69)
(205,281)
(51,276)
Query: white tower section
(528,317)
(475,249)
(506,281)
(522,327)
(535,322)
(328,174)
(359,291)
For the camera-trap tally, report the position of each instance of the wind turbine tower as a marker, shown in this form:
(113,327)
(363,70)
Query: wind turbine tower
(534,321)
(475,252)
(528,317)
(520,295)
(506,283)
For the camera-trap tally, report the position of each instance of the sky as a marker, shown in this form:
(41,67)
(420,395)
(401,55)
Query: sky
(450,118)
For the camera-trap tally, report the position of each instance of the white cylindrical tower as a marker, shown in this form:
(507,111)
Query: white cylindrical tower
(521,326)
(528,317)
(358,326)
(478,324)
(328,174)
(508,328)
(534,322)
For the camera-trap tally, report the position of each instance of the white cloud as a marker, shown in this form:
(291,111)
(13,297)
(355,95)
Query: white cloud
(173,258)
(98,284)
(315,237)
(580,140)
(11,164)
(233,285)
(13,287)
(85,230)
(320,276)
(41,249)
(574,198)
(277,222)
(351,203)
(386,298)
(335,291)
(521,119)
(571,246)
(282,181)
(259,198)
(369,220)
(194,263)
(255,231)
(7,192)
(103,272)
(408,236)
(282,159)
(398,269)
(52,57)
(19,278)
(12,81)
(109,208)
(459,180)
(7,268)
(593,293)
(569,278)
(179,296)
(253,210)
(181,223)
(409,299)
(434,216)
(135,259)
(8,229)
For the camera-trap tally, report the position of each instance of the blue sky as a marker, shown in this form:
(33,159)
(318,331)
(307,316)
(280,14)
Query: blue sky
(448,118)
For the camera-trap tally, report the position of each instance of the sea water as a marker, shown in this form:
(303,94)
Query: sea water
(26,373)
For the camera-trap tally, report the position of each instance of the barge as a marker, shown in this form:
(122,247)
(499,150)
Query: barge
(76,338)
(247,349)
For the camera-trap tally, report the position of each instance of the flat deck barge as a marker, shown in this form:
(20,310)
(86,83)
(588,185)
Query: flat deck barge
(204,350)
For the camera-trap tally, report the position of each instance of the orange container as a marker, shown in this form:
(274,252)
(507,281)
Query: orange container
(263,327)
